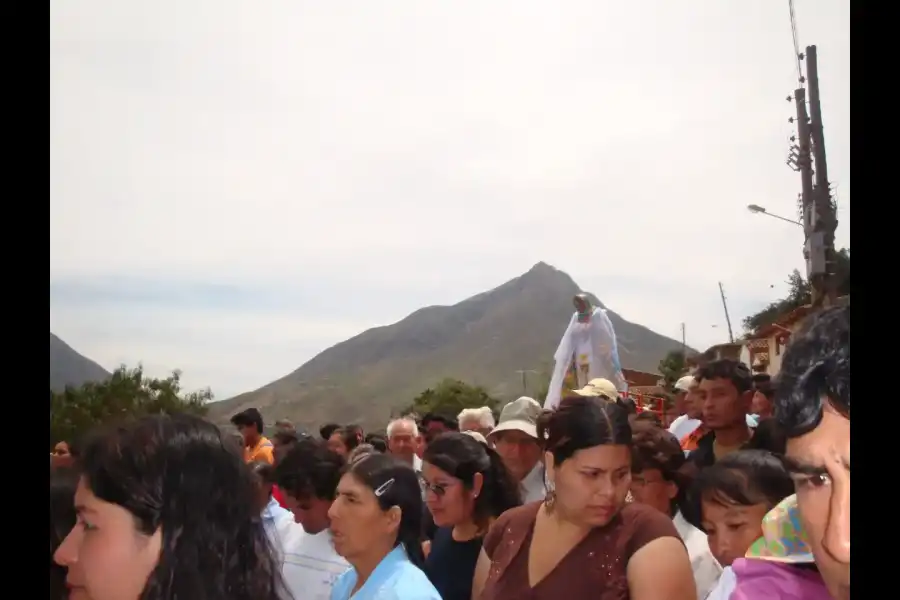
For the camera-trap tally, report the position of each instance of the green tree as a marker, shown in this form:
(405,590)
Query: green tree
(800,293)
(449,397)
(673,366)
(127,393)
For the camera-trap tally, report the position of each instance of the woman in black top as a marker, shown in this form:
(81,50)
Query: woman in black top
(467,487)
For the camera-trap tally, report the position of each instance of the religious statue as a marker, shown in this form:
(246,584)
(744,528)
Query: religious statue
(586,351)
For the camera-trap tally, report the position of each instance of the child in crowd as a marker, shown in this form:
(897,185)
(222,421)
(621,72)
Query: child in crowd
(734,495)
(780,564)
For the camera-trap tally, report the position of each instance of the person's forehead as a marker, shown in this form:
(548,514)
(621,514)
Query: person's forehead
(716,383)
(432,472)
(514,435)
(829,441)
(401,428)
(607,457)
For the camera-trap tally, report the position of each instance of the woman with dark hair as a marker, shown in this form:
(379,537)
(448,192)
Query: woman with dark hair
(63,481)
(344,440)
(467,488)
(584,540)
(166,509)
(376,524)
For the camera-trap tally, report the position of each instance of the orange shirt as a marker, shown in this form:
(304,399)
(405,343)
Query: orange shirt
(689,442)
(262,451)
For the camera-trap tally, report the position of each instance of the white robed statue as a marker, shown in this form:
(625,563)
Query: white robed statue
(586,351)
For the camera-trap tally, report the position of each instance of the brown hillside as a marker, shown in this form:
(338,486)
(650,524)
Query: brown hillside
(482,340)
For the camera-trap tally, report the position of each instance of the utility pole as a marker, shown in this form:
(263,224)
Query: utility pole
(823,214)
(683,342)
(524,373)
(727,318)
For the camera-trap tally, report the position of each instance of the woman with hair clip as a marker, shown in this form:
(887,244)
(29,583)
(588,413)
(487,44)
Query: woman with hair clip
(466,489)
(376,524)
(584,540)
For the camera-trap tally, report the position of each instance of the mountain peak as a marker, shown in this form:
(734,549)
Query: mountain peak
(486,339)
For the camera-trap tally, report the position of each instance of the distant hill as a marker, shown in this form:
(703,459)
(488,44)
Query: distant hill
(483,340)
(67,367)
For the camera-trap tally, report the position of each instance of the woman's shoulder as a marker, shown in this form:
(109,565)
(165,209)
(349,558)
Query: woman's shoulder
(513,522)
(642,524)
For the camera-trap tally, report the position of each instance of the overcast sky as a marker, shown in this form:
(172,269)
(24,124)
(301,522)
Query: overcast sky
(236,185)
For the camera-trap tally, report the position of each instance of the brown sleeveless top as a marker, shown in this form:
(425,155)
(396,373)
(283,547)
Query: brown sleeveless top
(594,569)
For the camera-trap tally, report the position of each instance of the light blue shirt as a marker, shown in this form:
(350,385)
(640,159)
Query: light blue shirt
(395,578)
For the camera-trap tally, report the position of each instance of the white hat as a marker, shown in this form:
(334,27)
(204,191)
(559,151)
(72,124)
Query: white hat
(597,388)
(519,415)
(685,383)
(476,435)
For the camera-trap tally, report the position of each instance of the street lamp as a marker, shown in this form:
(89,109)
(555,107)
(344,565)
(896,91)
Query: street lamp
(760,210)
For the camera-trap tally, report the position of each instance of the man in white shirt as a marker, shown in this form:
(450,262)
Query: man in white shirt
(689,418)
(308,475)
(403,439)
(656,482)
(516,441)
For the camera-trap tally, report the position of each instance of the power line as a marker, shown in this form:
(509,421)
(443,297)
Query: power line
(796,38)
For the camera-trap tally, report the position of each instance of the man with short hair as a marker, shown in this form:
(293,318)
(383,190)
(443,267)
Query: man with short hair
(724,390)
(476,419)
(516,441)
(434,424)
(403,439)
(308,475)
(689,414)
(812,405)
(256,447)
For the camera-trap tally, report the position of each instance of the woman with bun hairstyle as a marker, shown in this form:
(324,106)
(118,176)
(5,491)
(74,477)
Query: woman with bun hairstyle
(583,540)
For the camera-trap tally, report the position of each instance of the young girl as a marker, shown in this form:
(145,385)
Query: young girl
(779,565)
(734,495)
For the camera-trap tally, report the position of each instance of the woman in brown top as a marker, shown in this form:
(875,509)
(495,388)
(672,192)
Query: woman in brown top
(583,541)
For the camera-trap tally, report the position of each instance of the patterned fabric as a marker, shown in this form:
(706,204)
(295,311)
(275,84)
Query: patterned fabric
(689,442)
(783,537)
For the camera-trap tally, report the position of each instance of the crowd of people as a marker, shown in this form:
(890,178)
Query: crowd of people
(745,495)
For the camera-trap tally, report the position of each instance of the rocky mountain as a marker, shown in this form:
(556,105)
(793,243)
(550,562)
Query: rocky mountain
(67,367)
(483,340)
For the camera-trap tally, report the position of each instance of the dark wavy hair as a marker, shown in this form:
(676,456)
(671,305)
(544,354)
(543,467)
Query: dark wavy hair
(400,488)
(351,436)
(178,473)
(742,478)
(462,456)
(815,369)
(63,481)
(655,448)
(581,423)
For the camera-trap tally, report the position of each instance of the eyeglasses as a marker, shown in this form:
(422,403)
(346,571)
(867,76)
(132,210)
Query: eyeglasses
(439,489)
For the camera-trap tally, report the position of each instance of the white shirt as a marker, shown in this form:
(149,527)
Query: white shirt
(280,527)
(532,485)
(727,583)
(706,568)
(683,426)
(311,566)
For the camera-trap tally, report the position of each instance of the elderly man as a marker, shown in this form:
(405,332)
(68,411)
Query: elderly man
(476,419)
(812,404)
(403,440)
(516,441)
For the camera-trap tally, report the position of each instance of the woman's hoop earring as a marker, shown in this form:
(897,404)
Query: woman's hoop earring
(550,500)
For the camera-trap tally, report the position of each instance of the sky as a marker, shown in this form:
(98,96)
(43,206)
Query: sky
(236,186)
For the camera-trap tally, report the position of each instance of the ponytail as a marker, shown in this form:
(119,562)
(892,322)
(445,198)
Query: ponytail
(411,540)
(500,491)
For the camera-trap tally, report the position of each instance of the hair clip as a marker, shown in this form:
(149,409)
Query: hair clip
(384,487)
